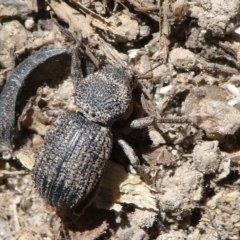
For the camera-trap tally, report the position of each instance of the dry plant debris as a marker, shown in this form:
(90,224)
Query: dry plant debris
(192,48)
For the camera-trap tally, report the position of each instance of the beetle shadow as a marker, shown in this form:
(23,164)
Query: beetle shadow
(51,72)
(91,219)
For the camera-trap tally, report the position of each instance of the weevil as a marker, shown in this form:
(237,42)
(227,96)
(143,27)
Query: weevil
(71,161)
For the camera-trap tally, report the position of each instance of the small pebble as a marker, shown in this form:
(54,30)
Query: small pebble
(29,24)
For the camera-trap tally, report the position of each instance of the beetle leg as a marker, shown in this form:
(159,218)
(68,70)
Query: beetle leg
(133,158)
(55,112)
(76,70)
(147,121)
(142,122)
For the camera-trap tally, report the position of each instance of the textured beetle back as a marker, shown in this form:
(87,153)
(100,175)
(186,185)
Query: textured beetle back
(71,160)
(106,95)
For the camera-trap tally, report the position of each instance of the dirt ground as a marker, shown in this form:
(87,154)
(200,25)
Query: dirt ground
(185,55)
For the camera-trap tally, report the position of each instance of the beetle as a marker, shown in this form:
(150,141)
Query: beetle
(70,163)
(71,160)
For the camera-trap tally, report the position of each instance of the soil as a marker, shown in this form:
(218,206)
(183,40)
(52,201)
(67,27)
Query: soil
(185,56)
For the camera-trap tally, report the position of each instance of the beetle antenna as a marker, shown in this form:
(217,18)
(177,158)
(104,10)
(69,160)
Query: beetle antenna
(142,75)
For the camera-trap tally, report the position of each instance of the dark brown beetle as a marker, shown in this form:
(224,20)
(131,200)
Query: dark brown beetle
(71,161)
